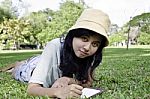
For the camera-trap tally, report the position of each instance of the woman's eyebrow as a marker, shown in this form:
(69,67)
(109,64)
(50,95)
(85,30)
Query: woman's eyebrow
(87,35)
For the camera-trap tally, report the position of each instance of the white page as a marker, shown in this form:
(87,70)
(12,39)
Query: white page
(88,92)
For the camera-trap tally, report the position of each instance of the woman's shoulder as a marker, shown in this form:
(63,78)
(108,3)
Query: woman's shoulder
(55,41)
(55,44)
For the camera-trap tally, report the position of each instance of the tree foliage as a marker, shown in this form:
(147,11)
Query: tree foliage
(117,37)
(143,21)
(7,10)
(144,39)
(63,19)
(13,32)
(4,10)
(40,27)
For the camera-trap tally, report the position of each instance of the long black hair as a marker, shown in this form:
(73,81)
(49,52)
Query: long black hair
(71,65)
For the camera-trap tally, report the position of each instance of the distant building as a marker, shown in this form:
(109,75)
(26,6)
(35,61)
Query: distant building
(133,34)
(114,28)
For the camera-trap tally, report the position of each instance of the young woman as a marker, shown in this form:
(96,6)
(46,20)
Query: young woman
(66,66)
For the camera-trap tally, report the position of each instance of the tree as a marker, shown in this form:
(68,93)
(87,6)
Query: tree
(143,21)
(13,32)
(144,39)
(38,23)
(42,26)
(8,8)
(116,37)
(63,19)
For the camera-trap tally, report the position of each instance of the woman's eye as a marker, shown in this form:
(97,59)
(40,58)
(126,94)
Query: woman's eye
(95,44)
(84,39)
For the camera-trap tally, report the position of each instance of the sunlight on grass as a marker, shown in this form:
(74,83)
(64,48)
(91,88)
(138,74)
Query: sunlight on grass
(145,55)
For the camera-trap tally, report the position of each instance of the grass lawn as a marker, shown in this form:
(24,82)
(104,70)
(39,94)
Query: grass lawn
(123,74)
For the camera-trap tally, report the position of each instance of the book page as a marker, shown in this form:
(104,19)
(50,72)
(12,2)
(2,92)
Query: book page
(88,92)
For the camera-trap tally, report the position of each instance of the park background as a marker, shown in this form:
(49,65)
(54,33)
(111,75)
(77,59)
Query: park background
(124,72)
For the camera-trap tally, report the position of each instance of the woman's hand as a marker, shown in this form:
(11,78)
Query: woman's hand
(70,91)
(61,82)
(67,92)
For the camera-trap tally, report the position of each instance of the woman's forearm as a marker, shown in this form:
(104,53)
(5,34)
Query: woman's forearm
(37,90)
(75,81)
(66,92)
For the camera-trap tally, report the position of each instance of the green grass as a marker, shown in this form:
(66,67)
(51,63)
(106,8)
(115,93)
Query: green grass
(124,74)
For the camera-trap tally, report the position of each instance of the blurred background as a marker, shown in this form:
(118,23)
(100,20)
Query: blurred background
(30,24)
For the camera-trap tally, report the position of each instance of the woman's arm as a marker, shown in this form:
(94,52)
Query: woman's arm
(38,90)
(70,91)
(65,81)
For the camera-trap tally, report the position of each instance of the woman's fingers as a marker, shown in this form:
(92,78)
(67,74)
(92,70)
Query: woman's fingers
(61,82)
(70,91)
(75,90)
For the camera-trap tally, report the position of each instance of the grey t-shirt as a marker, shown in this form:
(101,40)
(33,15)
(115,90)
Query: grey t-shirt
(47,70)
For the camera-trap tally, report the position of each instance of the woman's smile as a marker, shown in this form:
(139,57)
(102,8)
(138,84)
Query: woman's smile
(83,53)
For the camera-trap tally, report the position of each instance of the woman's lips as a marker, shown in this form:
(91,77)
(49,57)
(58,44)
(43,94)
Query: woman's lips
(83,53)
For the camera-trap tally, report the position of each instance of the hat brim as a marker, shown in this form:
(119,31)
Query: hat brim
(91,26)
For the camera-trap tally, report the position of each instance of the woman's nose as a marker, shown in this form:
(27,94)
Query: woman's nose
(87,47)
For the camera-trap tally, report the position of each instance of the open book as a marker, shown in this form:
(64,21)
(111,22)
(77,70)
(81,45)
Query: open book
(88,92)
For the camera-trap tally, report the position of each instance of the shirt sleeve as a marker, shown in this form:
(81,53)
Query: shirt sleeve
(47,70)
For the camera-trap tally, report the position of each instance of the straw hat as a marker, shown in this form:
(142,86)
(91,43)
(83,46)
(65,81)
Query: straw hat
(95,20)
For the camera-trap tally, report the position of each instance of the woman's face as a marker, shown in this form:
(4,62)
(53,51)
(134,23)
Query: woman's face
(85,46)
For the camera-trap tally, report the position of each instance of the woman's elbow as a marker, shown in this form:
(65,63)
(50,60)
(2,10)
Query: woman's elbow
(31,89)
